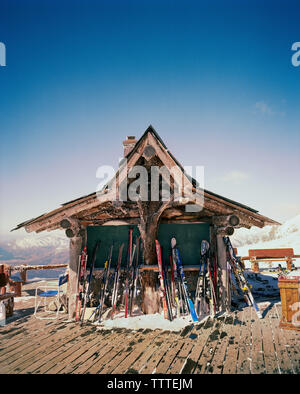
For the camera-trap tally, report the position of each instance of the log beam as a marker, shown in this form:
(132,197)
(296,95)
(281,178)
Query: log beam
(226,220)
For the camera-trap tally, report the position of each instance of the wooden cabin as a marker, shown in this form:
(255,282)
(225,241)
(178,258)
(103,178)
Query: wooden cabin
(105,215)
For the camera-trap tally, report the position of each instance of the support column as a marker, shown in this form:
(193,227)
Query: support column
(74,254)
(77,236)
(23,275)
(254,266)
(150,213)
(289,262)
(225,288)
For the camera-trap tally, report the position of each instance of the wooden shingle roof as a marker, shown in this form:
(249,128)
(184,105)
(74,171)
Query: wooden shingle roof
(98,204)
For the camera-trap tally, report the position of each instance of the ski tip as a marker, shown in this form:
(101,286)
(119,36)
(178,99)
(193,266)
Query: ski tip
(173,242)
(204,247)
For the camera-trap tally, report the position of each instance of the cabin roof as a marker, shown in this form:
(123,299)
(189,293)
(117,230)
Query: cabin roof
(47,220)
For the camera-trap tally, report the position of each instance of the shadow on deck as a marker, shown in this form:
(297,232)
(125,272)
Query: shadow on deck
(235,343)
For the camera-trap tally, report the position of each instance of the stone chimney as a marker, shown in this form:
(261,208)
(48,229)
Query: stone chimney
(129,144)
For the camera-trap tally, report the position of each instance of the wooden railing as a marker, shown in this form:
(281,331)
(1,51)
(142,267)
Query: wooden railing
(16,286)
(24,268)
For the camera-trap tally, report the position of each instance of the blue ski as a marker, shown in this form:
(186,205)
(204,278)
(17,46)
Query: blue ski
(183,281)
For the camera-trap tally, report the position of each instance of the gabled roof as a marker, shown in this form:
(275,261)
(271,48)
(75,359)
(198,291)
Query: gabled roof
(51,220)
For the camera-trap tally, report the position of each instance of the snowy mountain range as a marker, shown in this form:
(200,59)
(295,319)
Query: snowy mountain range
(285,236)
(35,249)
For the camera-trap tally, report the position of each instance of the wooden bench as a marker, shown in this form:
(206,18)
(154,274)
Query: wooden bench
(270,255)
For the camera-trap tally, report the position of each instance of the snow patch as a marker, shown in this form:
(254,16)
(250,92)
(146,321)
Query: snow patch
(152,322)
(23,298)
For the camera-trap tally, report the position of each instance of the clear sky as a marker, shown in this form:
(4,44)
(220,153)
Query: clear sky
(214,78)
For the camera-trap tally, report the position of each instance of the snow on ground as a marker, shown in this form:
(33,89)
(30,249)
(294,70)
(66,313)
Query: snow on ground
(152,322)
(23,298)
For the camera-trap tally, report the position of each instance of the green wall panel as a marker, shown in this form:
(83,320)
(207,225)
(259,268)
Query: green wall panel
(188,236)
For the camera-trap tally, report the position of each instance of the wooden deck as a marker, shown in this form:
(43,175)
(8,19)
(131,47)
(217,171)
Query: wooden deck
(238,343)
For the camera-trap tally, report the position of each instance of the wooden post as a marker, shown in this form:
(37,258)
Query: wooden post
(75,249)
(150,213)
(222,261)
(3,280)
(289,262)
(254,266)
(23,275)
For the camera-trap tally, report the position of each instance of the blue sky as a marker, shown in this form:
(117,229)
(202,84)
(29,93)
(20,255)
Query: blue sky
(215,79)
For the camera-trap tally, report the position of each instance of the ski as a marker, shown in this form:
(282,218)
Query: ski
(116,281)
(166,284)
(240,277)
(103,288)
(87,290)
(212,296)
(182,307)
(133,289)
(128,273)
(167,311)
(174,289)
(80,282)
(209,276)
(200,294)
(189,302)
(130,281)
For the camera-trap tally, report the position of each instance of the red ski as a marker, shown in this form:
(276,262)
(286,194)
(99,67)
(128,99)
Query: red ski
(116,282)
(128,277)
(166,306)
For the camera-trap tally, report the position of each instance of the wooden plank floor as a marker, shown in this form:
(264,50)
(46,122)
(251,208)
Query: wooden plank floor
(234,343)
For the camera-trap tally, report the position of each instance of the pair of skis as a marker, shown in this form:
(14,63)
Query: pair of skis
(116,281)
(237,270)
(175,291)
(182,281)
(178,273)
(97,313)
(163,284)
(88,286)
(134,276)
(206,289)
(130,292)
(129,284)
